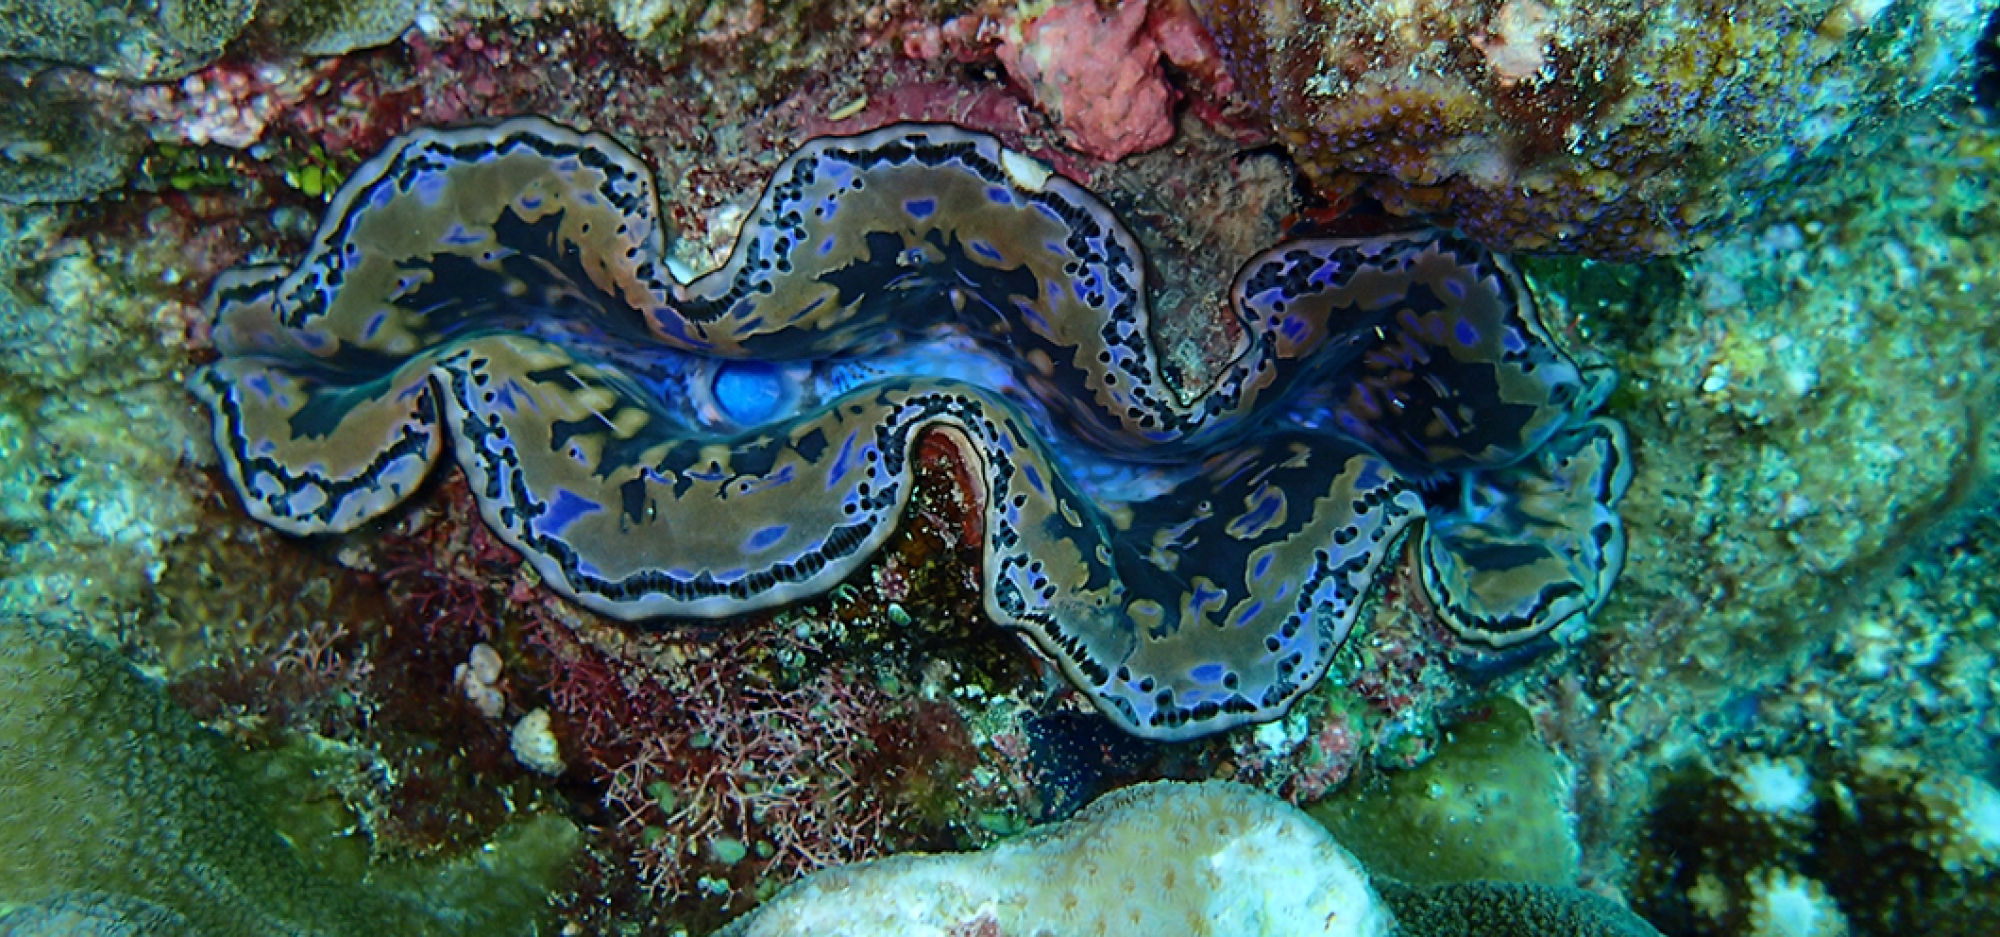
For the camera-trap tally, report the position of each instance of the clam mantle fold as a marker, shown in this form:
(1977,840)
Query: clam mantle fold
(1191,557)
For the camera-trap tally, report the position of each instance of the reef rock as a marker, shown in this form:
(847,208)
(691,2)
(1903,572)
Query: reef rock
(54,147)
(1617,129)
(122,38)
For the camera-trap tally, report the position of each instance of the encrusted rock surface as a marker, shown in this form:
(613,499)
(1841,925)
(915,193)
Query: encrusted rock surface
(1616,129)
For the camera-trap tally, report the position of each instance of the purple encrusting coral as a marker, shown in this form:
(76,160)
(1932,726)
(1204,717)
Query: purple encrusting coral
(1810,576)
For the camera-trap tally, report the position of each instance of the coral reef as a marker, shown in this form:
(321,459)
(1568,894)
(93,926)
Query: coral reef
(116,807)
(92,421)
(1809,402)
(1811,555)
(1618,130)
(1832,844)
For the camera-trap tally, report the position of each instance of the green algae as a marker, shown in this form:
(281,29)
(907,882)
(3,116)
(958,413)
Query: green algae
(112,796)
(1490,804)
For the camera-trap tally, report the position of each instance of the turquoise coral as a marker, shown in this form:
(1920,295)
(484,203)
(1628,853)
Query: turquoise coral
(1190,556)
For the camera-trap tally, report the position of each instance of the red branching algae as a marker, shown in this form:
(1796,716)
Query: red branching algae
(446,575)
(721,777)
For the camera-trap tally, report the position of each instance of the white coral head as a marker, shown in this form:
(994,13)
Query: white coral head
(1785,904)
(1964,833)
(1777,787)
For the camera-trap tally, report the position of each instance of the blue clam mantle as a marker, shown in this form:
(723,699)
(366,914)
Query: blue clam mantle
(1190,557)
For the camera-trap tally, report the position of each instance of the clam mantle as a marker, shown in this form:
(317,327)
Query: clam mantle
(1191,557)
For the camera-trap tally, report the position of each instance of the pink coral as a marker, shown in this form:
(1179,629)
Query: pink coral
(1096,69)
(1098,74)
(229,104)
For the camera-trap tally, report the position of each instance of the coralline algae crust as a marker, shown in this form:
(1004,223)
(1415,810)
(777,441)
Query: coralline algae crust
(500,291)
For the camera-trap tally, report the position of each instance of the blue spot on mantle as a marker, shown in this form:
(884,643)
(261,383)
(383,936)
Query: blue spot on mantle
(565,509)
(1467,333)
(764,538)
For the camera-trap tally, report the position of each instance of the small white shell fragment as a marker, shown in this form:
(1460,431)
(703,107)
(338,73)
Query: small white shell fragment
(477,679)
(535,745)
